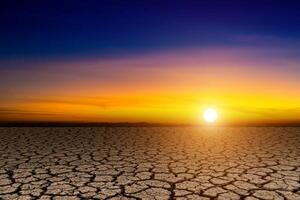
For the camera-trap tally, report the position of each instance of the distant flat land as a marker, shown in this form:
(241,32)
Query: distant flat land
(149,163)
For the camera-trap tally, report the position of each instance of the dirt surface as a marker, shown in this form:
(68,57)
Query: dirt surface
(149,163)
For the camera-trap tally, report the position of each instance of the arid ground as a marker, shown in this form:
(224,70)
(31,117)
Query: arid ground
(149,163)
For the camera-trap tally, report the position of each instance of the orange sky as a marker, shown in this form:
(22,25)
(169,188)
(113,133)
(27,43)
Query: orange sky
(244,85)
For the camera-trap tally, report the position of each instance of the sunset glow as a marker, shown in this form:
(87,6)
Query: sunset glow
(131,67)
(164,88)
(160,88)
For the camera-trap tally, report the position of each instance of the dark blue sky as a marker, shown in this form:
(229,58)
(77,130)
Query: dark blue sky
(51,29)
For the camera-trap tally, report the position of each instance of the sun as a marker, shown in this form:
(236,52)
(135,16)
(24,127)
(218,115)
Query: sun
(210,115)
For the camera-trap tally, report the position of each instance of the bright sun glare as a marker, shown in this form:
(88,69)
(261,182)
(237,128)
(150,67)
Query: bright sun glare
(210,115)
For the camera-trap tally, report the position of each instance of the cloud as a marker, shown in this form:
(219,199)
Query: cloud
(4,111)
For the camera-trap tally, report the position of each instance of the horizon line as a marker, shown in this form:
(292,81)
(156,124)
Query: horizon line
(139,124)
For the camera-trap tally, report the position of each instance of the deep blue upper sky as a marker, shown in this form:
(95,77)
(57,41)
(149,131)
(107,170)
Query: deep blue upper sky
(38,29)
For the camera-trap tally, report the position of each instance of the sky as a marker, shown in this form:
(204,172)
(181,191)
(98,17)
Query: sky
(150,61)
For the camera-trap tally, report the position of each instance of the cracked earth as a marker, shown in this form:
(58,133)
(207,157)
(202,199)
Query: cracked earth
(149,163)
